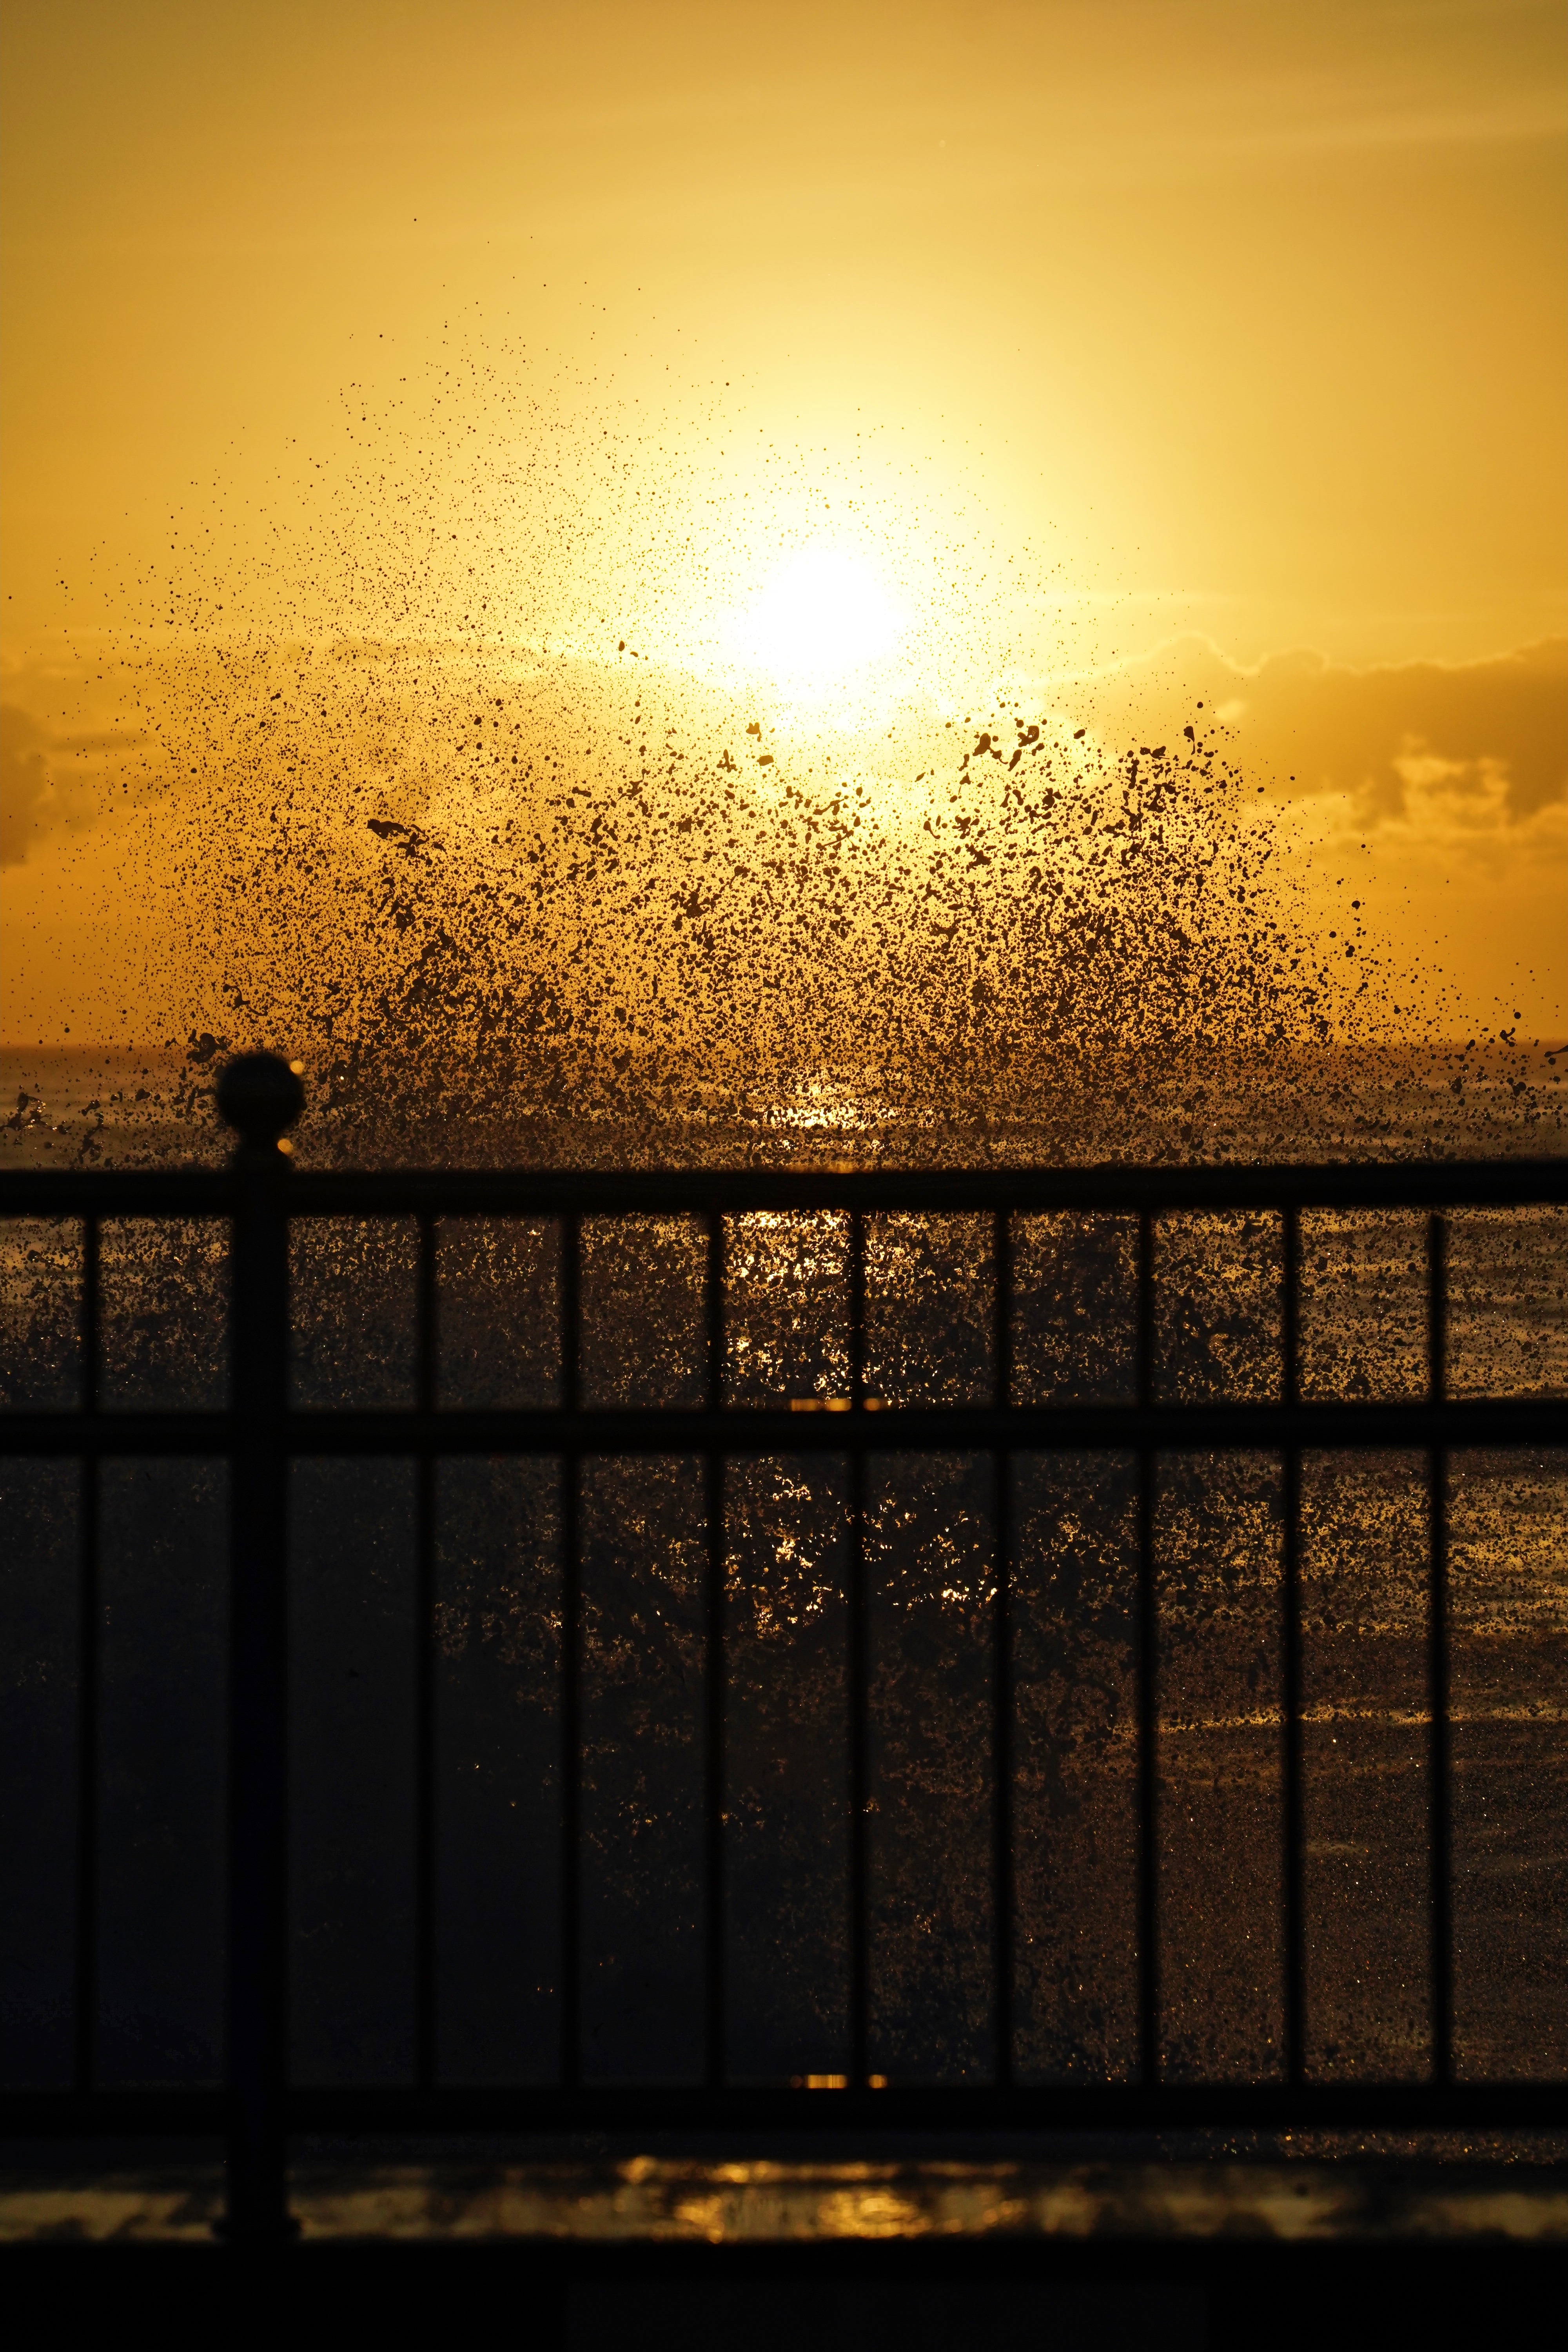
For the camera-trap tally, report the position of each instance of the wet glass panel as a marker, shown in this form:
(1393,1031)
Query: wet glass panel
(643,1292)
(1218,1539)
(40,1313)
(786,1753)
(643,1537)
(164,1314)
(929,1553)
(498,1826)
(1508,1302)
(1075,1308)
(353,1301)
(787,1308)
(497,1312)
(1507,1695)
(1361,1328)
(353,1682)
(1218,1277)
(1365,1771)
(929,1285)
(164,1554)
(39,1504)
(1075,1796)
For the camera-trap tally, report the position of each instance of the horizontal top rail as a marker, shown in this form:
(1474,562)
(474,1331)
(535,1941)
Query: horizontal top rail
(1415,1183)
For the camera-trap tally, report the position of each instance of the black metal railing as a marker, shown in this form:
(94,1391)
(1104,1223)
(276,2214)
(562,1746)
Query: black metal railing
(260,1435)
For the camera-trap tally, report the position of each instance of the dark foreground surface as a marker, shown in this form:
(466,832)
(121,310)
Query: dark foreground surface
(1091,2297)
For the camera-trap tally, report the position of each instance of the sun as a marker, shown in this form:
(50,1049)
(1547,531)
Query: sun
(822,616)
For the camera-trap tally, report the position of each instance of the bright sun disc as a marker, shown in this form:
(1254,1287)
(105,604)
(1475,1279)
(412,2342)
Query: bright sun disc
(824,615)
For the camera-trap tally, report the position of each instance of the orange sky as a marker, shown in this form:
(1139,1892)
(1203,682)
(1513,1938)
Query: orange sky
(1236,330)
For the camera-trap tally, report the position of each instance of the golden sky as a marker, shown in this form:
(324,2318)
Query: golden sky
(1142,347)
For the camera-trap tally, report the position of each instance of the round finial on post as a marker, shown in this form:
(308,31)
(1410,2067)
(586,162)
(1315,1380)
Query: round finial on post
(261,1096)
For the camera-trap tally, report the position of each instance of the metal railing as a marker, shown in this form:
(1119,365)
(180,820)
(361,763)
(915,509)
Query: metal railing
(259,1435)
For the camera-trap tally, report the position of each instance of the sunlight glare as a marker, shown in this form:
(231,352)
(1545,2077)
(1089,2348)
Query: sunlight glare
(824,615)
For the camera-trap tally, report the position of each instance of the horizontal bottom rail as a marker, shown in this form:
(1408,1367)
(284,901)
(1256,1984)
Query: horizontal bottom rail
(843,2113)
(829,1427)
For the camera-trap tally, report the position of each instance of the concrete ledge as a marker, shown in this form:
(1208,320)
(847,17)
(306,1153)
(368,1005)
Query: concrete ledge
(657,2200)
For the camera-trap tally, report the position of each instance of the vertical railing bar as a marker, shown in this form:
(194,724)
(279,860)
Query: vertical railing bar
(857,1667)
(1441,1817)
(88,1680)
(856,1310)
(425,1660)
(715,1991)
(1148,1682)
(91,1308)
(1290,1667)
(1002,1655)
(257,2215)
(571,1665)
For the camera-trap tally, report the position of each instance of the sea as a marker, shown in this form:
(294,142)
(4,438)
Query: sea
(931,1552)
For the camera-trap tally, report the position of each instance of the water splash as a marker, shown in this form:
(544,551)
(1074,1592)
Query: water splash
(416,806)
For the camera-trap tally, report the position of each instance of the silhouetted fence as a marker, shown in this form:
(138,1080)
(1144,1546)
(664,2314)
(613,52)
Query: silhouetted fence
(261,1434)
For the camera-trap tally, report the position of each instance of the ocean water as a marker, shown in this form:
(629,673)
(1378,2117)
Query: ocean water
(930,1565)
(127,1106)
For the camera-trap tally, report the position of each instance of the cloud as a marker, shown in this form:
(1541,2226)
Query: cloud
(1492,732)
(50,782)
(59,779)
(1440,787)
(1430,753)
(27,785)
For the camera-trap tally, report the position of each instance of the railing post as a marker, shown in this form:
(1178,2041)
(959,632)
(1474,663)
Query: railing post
(259,1095)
